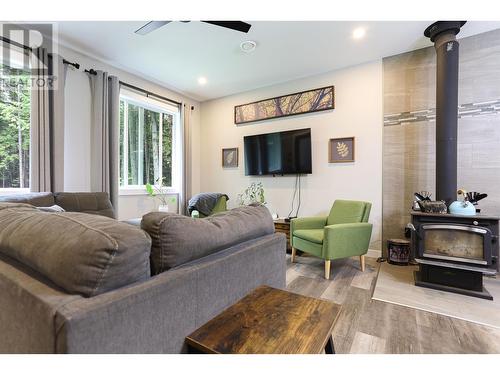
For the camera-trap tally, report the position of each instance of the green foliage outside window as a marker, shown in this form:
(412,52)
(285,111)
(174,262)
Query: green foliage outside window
(15,104)
(145,146)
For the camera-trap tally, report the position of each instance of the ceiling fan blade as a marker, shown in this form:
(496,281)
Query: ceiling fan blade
(233,25)
(150,26)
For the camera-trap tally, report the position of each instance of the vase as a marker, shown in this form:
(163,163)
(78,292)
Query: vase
(163,208)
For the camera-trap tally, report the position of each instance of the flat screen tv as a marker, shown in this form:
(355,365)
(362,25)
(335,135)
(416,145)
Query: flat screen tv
(279,153)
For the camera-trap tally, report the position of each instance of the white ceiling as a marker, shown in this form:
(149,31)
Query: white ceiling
(178,53)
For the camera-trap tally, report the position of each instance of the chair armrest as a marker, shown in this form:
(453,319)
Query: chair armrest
(345,240)
(317,222)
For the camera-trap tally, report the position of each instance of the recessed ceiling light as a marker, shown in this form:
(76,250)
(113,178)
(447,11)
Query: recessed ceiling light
(359,33)
(248,46)
(202,81)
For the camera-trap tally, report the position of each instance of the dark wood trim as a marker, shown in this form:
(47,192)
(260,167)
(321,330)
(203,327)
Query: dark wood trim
(289,114)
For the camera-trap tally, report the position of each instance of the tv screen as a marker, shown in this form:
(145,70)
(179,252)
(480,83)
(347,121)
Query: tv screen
(278,153)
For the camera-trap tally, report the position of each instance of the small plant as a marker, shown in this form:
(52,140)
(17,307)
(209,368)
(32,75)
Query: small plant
(252,194)
(159,191)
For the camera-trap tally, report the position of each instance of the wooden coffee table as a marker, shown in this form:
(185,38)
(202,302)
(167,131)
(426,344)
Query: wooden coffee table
(269,321)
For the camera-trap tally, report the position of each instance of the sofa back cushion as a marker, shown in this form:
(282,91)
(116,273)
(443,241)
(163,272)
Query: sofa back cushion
(81,253)
(34,199)
(90,203)
(96,203)
(346,212)
(179,239)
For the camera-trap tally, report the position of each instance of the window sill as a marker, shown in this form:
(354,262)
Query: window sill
(142,191)
(12,191)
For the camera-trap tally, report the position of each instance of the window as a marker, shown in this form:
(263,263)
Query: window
(149,143)
(15,107)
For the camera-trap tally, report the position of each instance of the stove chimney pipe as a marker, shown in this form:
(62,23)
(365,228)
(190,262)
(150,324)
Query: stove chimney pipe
(443,35)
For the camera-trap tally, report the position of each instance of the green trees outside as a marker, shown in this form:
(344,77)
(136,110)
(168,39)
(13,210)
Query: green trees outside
(168,123)
(142,140)
(15,104)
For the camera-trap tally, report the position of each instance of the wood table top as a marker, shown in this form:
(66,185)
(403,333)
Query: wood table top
(269,321)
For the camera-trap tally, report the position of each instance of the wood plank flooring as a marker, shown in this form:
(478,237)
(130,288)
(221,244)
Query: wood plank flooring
(370,326)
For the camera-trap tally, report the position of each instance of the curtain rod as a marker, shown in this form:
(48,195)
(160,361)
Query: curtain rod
(148,93)
(92,71)
(19,45)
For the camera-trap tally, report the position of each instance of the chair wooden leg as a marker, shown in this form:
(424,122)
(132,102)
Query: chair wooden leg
(327,269)
(293,254)
(362,262)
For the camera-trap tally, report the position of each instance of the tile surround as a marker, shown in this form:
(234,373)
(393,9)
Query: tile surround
(409,127)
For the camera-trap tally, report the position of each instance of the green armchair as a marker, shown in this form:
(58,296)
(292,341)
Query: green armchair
(345,232)
(220,206)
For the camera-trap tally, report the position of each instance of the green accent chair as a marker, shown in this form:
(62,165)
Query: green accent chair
(345,232)
(220,206)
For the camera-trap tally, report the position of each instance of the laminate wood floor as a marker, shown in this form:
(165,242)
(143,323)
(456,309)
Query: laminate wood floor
(370,326)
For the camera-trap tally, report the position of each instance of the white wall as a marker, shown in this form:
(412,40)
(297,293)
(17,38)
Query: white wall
(358,113)
(77,129)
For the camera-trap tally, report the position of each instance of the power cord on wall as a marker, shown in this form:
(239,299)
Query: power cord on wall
(296,189)
(298,207)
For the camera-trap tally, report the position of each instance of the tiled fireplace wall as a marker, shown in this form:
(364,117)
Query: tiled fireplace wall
(409,127)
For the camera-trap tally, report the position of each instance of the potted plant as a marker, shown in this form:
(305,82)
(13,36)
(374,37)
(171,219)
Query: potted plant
(159,191)
(252,194)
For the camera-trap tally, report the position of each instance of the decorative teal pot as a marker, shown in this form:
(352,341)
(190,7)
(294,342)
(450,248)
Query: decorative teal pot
(462,208)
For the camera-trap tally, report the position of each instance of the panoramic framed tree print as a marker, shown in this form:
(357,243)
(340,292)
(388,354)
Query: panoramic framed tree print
(321,99)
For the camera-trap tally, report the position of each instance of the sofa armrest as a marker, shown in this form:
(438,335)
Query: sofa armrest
(345,240)
(315,222)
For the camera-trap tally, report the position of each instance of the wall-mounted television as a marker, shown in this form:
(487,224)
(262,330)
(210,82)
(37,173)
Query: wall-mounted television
(278,153)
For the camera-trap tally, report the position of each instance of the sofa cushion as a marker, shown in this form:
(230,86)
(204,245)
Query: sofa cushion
(35,199)
(312,235)
(90,203)
(179,239)
(81,253)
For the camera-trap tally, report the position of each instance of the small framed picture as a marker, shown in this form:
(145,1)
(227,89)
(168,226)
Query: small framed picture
(230,157)
(341,150)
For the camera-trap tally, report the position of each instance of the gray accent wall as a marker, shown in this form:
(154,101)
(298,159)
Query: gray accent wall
(409,82)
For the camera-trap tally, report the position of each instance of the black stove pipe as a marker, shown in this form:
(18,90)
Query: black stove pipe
(443,34)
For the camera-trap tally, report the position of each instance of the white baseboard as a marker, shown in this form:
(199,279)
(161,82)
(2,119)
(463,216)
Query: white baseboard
(372,253)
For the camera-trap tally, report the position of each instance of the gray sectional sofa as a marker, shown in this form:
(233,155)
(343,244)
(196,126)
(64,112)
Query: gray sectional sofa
(82,282)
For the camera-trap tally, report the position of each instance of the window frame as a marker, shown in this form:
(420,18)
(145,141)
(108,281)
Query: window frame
(145,102)
(15,61)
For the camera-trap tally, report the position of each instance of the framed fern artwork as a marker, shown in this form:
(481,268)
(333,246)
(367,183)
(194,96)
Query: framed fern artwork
(230,157)
(341,150)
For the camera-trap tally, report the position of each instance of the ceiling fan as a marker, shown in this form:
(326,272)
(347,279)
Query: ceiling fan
(233,25)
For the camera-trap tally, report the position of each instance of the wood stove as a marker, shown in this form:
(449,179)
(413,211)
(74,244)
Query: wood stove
(455,251)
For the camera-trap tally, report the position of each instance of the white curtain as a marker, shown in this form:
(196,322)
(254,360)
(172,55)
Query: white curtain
(47,122)
(185,193)
(40,123)
(57,124)
(105,135)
